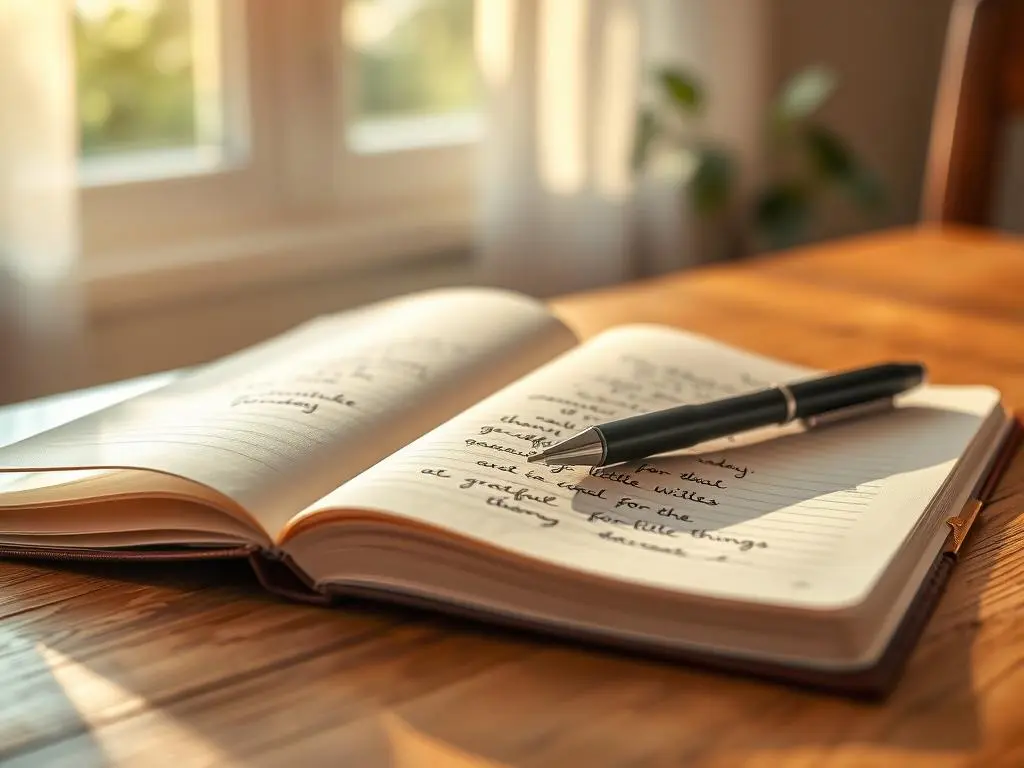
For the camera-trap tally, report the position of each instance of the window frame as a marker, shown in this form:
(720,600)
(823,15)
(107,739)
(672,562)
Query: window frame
(302,191)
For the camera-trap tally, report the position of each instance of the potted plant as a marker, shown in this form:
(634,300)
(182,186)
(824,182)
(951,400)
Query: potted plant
(807,160)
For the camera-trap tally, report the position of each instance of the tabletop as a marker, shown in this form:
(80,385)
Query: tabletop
(196,665)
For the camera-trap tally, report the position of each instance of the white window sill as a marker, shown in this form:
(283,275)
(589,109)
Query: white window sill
(149,165)
(374,136)
(274,253)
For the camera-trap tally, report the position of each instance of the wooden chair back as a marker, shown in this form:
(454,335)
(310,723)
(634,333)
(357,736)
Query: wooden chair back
(981,90)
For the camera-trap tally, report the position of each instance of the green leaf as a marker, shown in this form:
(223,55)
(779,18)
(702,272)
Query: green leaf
(833,160)
(830,156)
(805,93)
(683,89)
(782,214)
(645,131)
(713,178)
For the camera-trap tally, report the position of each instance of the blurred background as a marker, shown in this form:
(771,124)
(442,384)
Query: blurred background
(180,178)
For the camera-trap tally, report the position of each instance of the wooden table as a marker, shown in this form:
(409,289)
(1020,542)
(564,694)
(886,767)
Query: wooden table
(156,665)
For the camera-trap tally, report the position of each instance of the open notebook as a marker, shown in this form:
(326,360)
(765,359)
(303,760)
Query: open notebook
(383,453)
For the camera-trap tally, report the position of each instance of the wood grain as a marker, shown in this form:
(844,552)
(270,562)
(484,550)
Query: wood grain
(160,664)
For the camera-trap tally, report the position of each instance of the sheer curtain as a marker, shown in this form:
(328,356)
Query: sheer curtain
(560,210)
(39,314)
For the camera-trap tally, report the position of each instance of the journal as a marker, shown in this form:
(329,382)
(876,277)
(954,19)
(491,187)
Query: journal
(383,454)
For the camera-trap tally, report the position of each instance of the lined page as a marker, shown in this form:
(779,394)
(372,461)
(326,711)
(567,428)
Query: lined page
(779,514)
(279,425)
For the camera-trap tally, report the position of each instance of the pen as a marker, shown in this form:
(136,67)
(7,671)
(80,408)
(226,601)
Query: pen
(814,402)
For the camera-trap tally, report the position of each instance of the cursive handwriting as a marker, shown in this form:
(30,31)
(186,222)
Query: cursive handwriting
(518,493)
(740,470)
(671,512)
(597,493)
(502,503)
(304,401)
(651,469)
(651,547)
(509,468)
(495,447)
(692,477)
(658,528)
(560,425)
(680,380)
(629,503)
(575,405)
(537,441)
(685,495)
(617,385)
(745,545)
(644,526)
(628,406)
(435,472)
(616,477)
(657,506)
(604,517)
(515,421)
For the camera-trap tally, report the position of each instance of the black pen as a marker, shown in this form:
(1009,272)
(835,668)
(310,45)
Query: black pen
(815,401)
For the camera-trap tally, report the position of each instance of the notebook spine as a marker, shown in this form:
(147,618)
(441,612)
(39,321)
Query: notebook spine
(279,574)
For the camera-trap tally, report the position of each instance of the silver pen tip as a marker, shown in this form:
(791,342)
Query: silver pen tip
(586,447)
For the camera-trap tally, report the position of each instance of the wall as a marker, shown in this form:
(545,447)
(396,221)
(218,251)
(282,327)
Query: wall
(727,45)
(888,54)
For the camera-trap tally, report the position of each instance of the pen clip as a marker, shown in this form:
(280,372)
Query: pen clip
(849,412)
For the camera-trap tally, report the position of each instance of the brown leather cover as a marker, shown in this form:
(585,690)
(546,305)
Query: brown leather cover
(146,554)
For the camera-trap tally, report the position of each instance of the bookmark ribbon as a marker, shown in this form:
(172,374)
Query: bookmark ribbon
(960,526)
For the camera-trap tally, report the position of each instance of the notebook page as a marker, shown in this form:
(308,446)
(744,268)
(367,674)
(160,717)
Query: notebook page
(778,516)
(279,425)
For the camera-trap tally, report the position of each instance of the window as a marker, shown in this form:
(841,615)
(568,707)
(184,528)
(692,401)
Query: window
(414,77)
(272,133)
(150,97)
